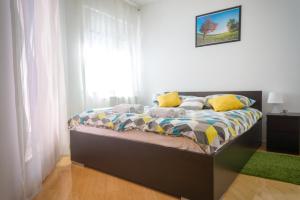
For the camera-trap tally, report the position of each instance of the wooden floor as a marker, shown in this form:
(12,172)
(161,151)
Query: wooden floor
(72,182)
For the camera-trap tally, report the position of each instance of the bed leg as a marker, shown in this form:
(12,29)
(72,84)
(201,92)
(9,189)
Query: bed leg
(77,163)
(183,198)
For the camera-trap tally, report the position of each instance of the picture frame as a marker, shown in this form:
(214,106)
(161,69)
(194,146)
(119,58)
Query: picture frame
(218,27)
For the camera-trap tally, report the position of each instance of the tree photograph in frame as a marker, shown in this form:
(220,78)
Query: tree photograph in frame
(218,27)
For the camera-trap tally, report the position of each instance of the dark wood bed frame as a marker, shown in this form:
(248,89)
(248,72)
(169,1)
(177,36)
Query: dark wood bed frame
(173,171)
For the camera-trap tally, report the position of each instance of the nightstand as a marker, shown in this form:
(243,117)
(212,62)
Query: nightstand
(283,132)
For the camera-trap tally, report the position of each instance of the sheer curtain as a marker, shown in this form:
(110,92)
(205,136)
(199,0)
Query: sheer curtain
(109,51)
(11,185)
(39,81)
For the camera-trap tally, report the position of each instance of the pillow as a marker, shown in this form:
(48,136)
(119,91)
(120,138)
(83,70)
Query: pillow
(154,97)
(226,103)
(169,100)
(191,105)
(247,102)
(193,98)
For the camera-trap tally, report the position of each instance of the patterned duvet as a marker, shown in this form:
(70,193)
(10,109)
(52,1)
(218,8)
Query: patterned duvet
(209,129)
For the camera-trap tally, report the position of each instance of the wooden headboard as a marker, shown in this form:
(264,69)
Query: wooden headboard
(256,95)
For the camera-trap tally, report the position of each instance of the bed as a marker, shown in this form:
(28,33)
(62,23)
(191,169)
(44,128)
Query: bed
(177,172)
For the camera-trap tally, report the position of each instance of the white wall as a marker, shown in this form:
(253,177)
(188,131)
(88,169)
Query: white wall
(266,58)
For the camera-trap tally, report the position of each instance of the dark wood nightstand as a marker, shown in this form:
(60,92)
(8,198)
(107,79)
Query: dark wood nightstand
(283,132)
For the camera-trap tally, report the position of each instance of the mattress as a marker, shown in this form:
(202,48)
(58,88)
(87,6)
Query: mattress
(182,143)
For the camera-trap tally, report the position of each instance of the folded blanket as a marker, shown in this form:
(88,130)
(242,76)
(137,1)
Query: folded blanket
(128,108)
(166,112)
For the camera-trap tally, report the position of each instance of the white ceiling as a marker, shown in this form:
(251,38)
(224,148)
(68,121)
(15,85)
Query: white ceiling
(142,2)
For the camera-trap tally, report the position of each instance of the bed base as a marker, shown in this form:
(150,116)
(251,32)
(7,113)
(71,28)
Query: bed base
(176,172)
(173,171)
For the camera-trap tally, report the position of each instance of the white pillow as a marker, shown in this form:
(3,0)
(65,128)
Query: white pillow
(192,105)
(193,98)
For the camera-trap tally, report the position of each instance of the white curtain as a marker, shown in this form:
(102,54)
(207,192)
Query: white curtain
(109,46)
(39,80)
(11,177)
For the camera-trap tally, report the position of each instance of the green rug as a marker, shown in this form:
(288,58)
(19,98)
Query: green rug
(275,166)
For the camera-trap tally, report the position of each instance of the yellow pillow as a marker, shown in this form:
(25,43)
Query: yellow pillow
(169,100)
(225,103)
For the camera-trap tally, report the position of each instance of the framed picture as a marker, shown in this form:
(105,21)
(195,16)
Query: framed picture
(219,27)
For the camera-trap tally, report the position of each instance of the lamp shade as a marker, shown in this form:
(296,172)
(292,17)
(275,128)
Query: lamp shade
(275,98)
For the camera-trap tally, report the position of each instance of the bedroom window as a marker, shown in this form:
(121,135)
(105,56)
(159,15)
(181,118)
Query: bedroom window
(110,57)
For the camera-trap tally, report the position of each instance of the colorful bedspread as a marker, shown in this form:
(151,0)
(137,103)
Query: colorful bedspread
(208,128)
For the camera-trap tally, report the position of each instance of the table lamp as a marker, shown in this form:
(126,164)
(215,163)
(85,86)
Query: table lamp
(276,100)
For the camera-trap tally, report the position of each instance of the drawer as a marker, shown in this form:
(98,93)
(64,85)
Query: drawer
(283,142)
(280,124)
